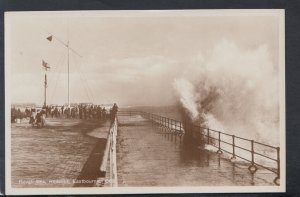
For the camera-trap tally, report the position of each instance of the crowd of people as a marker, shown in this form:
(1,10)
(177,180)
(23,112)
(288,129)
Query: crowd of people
(17,114)
(80,111)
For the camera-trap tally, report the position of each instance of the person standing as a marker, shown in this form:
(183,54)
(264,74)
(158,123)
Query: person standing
(104,113)
(84,112)
(80,111)
(99,112)
(115,109)
(62,111)
(27,112)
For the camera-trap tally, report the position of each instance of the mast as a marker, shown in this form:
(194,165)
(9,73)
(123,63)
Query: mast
(46,67)
(45,91)
(67,45)
(68,74)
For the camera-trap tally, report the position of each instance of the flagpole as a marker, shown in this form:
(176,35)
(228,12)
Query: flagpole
(45,65)
(45,93)
(49,38)
(68,76)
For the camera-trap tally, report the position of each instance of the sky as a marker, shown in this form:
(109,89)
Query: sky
(128,57)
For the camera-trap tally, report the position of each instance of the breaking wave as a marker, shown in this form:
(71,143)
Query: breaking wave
(233,90)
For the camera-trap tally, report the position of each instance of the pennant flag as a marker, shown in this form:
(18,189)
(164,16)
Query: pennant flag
(49,38)
(45,64)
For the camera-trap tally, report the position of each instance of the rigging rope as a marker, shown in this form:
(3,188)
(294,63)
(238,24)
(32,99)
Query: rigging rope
(62,60)
(84,80)
(86,91)
(59,63)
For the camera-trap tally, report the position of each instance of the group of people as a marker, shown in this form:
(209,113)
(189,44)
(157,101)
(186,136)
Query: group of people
(80,111)
(17,114)
(34,115)
(37,117)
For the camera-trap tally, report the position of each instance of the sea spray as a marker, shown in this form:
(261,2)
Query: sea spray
(234,90)
(187,96)
(194,134)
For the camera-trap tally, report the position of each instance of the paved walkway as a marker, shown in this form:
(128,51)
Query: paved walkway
(147,156)
(56,155)
(90,171)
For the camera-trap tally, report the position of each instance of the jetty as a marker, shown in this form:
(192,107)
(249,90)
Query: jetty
(136,148)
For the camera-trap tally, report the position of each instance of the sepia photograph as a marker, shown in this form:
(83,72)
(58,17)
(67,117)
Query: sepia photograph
(153,101)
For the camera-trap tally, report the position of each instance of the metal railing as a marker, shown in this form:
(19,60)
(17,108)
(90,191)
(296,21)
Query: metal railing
(128,113)
(219,140)
(110,152)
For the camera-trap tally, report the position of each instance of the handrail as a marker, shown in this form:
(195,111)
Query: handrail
(113,154)
(110,151)
(177,126)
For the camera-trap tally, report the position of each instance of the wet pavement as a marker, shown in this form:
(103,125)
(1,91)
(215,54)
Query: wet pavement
(58,154)
(148,155)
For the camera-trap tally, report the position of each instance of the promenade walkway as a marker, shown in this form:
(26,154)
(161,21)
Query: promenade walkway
(147,156)
(69,152)
(57,155)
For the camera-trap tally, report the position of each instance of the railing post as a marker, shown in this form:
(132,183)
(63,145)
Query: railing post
(252,152)
(277,179)
(219,141)
(180,130)
(167,123)
(219,151)
(173,125)
(252,168)
(233,158)
(207,135)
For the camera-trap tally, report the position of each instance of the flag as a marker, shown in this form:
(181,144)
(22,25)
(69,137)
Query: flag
(49,38)
(45,64)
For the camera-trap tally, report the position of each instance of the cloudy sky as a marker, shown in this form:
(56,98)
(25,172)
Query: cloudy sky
(128,57)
